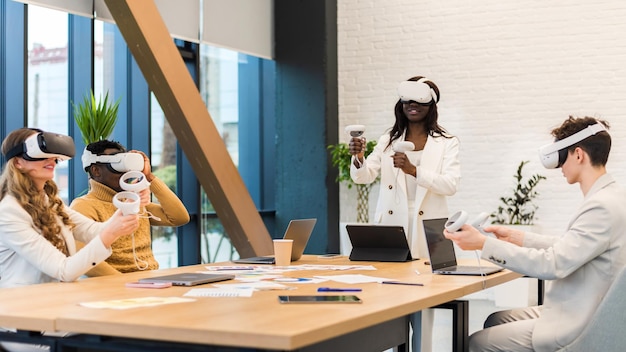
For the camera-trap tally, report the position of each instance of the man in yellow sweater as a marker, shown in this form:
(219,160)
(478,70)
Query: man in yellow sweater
(106,161)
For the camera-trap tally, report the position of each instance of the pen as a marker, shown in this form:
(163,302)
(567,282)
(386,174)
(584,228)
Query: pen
(330,289)
(402,283)
(291,279)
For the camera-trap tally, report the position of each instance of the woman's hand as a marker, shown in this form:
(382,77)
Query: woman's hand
(118,225)
(357,147)
(401,161)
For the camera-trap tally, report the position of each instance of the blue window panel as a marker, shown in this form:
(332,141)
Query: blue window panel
(12,67)
(80,57)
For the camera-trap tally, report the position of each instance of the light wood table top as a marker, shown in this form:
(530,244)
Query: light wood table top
(259,321)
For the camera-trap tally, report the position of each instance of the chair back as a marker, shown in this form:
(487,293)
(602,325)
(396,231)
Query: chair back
(605,331)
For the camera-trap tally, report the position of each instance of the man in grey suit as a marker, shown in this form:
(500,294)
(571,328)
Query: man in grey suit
(579,265)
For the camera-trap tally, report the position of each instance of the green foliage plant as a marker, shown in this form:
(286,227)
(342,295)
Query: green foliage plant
(341,158)
(96,119)
(519,208)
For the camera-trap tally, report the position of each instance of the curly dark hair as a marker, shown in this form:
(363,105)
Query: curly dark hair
(98,148)
(597,146)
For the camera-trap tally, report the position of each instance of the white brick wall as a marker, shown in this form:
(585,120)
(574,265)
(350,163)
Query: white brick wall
(509,71)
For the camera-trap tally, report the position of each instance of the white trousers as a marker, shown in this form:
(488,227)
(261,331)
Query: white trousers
(422,325)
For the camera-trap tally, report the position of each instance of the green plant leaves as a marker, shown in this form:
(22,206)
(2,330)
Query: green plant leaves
(95,119)
(519,208)
(341,158)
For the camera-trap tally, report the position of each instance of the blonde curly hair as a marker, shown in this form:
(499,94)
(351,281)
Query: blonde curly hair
(44,207)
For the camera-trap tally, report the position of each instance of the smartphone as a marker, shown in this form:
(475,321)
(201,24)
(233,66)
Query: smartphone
(329,256)
(149,284)
(319,299)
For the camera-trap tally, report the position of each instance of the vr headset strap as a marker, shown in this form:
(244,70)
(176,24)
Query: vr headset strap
(15,151)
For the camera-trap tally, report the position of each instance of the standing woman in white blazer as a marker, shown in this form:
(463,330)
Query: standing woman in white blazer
(414,184)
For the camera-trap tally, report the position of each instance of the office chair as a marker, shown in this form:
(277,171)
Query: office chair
(605,331)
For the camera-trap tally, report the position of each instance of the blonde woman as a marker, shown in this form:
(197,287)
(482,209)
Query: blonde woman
(37,230)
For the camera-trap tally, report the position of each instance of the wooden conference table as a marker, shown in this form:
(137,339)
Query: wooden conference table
(258,322)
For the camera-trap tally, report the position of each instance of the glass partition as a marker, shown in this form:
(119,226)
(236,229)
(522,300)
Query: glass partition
(219,89)
(47,68)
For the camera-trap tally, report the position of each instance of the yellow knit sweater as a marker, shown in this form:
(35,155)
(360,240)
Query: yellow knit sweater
(97,205)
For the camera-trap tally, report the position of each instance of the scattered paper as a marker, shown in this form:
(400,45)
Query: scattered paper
(353,279)
(219,292)
(336,267)
(257,286)
(300,280)
(135,302)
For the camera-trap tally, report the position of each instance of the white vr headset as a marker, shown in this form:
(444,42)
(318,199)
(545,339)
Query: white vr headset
(120,162)
(417,91)
(44,145)
(553,155)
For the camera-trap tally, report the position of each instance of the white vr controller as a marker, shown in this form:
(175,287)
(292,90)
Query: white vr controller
(134,181)
(127,202)
(355,130)
(456,221)
(403,146)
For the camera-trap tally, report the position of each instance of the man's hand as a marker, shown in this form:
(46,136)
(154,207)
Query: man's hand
(467,238)
(506,234)
(147,167)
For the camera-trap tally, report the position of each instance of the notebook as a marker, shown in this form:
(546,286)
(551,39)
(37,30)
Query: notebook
(379,243)
(189,279)
(299,231)
(442,255)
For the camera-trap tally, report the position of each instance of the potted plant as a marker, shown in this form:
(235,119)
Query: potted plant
(341,158)
(519,208)
(95,119)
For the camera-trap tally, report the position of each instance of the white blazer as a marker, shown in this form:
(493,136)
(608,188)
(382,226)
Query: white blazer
(27,258)
(580,265)
(438,176)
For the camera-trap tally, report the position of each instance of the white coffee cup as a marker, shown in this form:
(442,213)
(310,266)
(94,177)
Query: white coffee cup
(282,252)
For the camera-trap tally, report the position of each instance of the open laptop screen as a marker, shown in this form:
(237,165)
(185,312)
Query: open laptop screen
(440,248)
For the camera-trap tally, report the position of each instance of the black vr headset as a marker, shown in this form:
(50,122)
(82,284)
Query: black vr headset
(44,145)
(553,155)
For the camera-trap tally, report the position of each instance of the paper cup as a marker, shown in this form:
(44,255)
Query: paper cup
(282,252)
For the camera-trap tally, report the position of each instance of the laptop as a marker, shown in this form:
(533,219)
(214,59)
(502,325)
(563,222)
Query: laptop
(378,243)
(298,230)
(442,255)
(188,279)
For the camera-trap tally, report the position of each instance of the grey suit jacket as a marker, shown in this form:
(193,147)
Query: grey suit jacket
(579,265)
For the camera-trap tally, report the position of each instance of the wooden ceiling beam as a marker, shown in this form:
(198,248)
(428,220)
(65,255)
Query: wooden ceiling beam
(158,58)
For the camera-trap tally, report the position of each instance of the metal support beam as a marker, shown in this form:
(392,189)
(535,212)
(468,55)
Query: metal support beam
(158,58)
